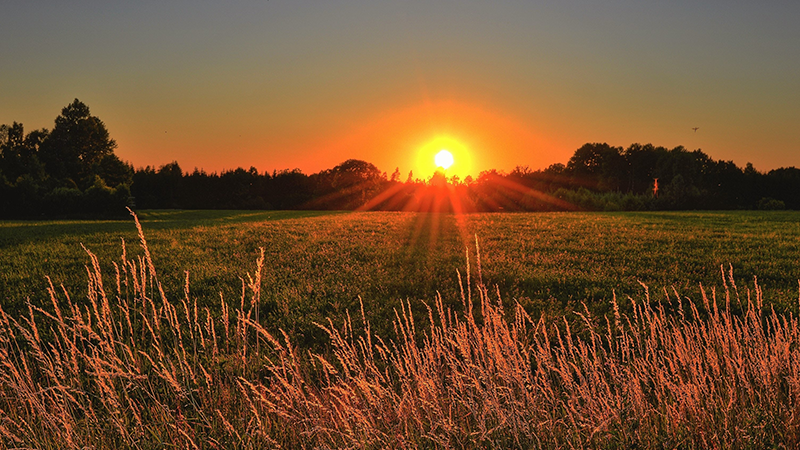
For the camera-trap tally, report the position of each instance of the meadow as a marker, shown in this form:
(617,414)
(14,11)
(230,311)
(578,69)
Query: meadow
(318,264)
(369,330)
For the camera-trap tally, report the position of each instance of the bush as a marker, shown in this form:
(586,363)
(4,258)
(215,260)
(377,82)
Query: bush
(770,204)
(101,199)
(63,200)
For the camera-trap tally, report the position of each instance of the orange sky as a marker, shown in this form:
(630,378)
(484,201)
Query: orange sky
(408,138)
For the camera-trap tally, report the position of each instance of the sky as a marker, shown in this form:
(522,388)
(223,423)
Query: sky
(279,84)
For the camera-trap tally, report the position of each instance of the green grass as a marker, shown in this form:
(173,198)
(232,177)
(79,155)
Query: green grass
(319,263)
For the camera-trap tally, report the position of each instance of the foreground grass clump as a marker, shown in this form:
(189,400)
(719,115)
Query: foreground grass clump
(132,368)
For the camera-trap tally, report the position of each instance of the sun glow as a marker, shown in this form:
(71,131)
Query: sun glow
(443,159)
(447,153)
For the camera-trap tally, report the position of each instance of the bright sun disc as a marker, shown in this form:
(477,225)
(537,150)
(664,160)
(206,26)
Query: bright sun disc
(458,154)
(443,159)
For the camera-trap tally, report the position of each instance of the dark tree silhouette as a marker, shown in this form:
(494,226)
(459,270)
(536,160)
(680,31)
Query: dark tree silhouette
(79,147)
(71,170)
(597,177)
(598,167)
(19,153)
(347,186)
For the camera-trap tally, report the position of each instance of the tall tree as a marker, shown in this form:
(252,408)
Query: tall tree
(598,166)
(77,146)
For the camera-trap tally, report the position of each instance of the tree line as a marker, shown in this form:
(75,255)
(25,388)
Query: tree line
(69,170)
(72,170)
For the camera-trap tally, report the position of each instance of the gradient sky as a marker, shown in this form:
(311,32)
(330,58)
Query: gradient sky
(282,84)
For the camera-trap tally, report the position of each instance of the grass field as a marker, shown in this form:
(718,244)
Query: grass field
(335,257)
(123,363)
(317,264)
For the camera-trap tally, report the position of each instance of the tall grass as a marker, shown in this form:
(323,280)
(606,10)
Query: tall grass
(130,367)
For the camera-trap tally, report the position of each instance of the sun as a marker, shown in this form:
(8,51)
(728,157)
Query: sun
(447,153)
(443,159)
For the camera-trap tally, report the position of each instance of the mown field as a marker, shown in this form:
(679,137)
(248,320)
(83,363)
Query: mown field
(318,264)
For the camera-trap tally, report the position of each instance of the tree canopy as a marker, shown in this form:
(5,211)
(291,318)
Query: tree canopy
(71,169)
(80,147)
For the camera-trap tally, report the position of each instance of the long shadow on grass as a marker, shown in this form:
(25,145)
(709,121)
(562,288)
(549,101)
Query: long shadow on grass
(17,232)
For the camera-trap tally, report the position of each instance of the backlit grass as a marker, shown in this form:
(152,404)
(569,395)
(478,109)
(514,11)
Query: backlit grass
(134,366)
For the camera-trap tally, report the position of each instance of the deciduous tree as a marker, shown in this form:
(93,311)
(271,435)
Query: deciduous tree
(77,146)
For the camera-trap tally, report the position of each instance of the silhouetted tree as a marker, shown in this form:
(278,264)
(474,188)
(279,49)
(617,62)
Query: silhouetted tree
(643,166)
(288,189)
(77,147)
(347,186)
(784,184)
(19,153)
(598,167)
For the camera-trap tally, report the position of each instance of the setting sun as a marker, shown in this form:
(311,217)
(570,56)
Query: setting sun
(446,152)
(443,159)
